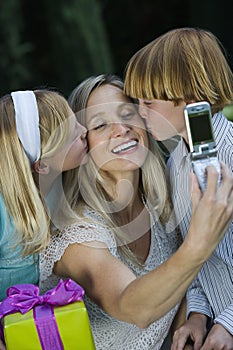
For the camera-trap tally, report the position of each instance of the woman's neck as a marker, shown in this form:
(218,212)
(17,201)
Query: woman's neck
(123,189)
(129,211)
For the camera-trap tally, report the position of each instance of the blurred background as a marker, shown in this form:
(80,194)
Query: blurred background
(58,43)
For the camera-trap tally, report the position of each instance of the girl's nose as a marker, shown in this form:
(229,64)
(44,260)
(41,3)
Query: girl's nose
(84,132)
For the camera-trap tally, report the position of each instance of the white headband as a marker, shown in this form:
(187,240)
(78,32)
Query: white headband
(27,122)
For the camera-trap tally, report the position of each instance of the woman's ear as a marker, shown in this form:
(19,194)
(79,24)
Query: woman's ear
(41,167)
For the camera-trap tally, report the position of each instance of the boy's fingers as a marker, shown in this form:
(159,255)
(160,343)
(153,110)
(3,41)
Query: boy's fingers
(196,193)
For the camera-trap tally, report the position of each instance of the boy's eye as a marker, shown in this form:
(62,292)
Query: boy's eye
(147,103)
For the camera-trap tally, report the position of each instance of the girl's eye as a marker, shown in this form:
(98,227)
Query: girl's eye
(147,103)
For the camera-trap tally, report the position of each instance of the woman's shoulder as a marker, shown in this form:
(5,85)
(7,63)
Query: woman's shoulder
(87,228)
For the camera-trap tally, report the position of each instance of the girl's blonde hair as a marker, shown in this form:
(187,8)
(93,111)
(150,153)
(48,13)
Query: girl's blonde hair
(186,64)
(153,182)
(22,198)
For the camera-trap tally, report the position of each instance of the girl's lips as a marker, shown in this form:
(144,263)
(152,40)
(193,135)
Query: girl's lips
(85,146)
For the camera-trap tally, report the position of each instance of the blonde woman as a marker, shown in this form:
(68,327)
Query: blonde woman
(124,249)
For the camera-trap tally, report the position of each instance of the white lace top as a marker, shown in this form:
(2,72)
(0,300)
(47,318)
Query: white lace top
(110,333)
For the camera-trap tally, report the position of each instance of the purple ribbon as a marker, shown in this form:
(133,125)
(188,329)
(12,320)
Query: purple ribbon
(24,297)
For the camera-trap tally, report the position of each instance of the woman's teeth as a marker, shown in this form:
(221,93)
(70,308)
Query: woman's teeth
(124,146)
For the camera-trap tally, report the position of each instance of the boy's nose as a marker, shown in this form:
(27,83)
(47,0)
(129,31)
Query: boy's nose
(142,110)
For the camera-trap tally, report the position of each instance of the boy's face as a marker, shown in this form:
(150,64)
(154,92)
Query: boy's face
(163,119)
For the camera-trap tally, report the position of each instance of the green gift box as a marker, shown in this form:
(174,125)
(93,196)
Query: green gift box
(46,325)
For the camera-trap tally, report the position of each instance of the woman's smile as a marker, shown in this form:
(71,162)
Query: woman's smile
(126,147)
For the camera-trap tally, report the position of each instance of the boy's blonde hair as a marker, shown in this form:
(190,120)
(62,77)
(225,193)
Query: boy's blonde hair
(186,64)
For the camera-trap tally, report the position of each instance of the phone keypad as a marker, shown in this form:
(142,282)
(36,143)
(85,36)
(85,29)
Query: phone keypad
(199,167)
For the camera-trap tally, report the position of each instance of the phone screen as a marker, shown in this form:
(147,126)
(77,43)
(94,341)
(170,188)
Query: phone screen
(200,128)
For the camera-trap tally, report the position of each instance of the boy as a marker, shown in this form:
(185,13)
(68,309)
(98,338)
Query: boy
(182,66)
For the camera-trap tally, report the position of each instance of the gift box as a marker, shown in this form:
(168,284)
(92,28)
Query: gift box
(58,320)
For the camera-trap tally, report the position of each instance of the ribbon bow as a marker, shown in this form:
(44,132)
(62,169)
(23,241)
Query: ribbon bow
(23,297)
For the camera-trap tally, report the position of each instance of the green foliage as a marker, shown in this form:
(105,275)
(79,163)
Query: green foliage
(228,112)
(79,45)
(58,43)
(51,43)
(13,51)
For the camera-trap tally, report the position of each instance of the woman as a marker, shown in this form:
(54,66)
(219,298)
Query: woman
(122,248)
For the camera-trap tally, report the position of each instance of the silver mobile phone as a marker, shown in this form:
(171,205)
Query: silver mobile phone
(202,144)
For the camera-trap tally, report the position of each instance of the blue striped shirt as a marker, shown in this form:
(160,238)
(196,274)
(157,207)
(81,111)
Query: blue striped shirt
(211,292)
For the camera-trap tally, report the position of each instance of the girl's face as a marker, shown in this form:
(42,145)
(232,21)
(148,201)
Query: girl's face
(74,151)
(76,146)
(116,133)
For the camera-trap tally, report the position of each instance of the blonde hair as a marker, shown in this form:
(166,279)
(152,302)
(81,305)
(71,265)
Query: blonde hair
(186,64)
(18,189)
(153,182)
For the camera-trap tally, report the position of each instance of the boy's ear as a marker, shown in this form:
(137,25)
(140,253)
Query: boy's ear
(41,167)
(190,101)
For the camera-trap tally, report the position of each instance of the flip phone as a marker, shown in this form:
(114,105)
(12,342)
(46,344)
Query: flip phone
(202,144)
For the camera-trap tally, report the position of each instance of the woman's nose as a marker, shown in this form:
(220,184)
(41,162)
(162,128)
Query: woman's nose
(120,129)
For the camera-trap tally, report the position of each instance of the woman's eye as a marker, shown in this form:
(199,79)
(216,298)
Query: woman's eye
(128,115)
(99,126)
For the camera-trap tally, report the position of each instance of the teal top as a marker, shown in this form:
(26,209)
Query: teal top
(14,268)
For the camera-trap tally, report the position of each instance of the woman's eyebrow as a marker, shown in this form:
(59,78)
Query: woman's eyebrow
(91,118)
(126,104)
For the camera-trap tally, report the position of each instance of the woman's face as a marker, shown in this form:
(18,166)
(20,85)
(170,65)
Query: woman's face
(117,138)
